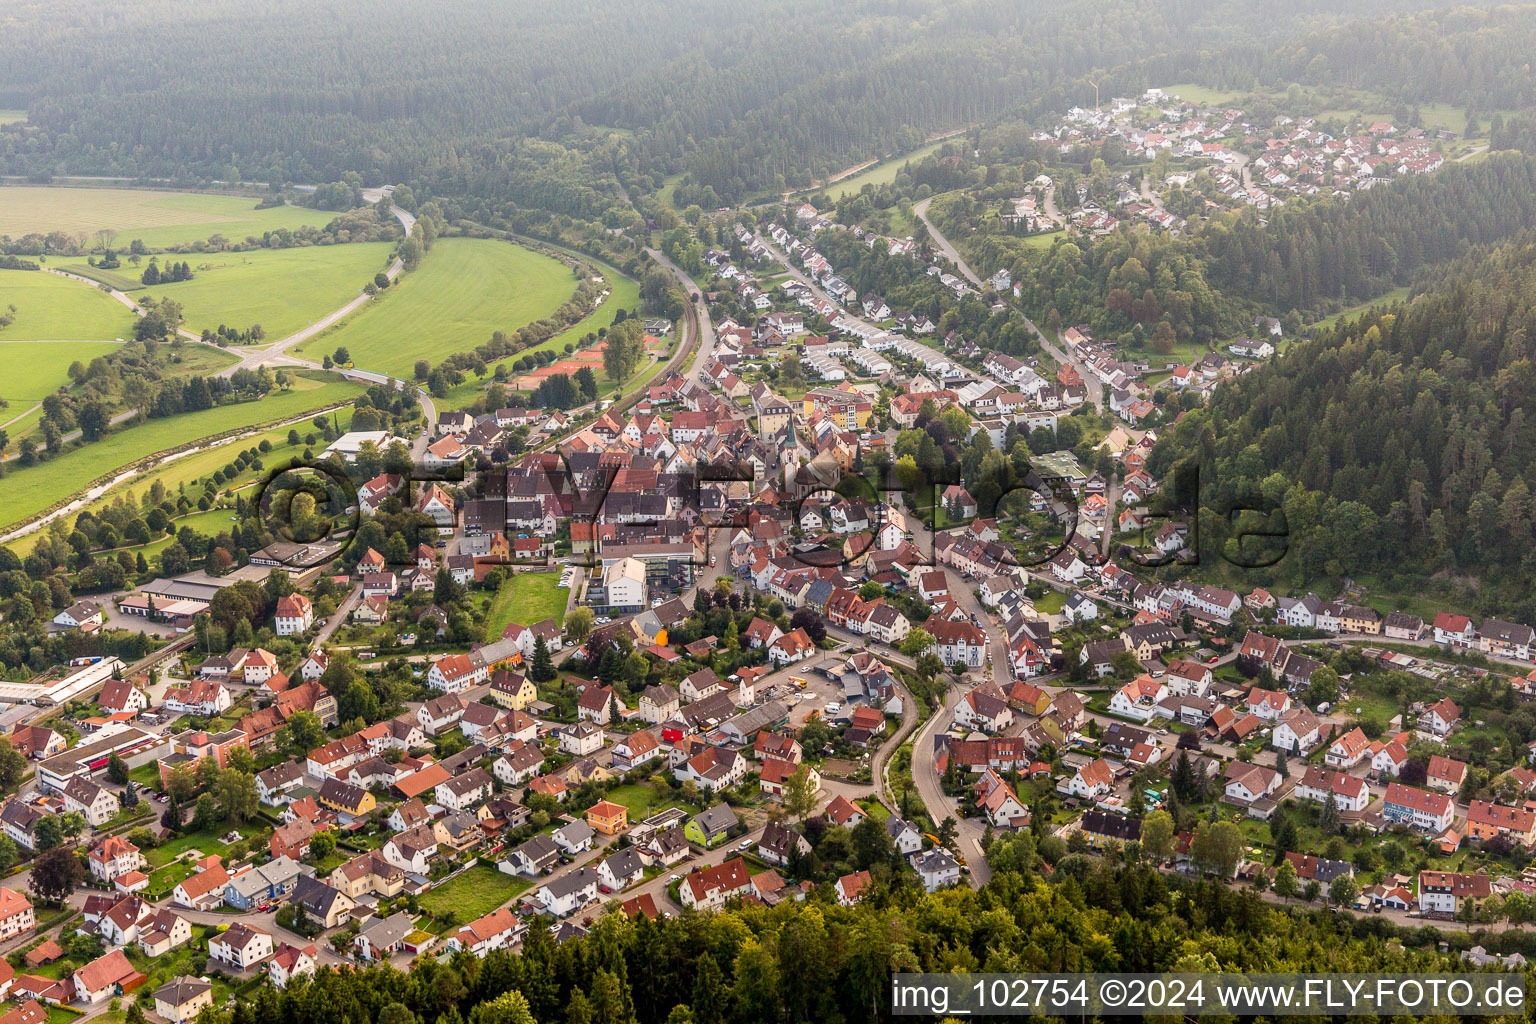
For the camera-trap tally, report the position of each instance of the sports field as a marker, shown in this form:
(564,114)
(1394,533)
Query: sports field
(31,369)
(30,491)
(465,289)
(158,219)
(281,289)
(54,308)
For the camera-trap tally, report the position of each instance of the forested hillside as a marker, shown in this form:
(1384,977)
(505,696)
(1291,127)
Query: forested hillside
(562,106)
(1399,443)
(816,961)
(1207,285)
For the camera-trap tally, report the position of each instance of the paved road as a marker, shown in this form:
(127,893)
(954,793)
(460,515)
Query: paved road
(925,776)
(344,609)
(706,341)
(921,210)
(1051,209)
(275,354)
(816,289)
(121,297)
(1092,383)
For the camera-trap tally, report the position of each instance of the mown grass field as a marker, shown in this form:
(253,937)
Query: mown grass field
(12,116)
(624,294)
(1349,313)
(465,289)
(473,894)
(29,491)
(54,308)
(282,289)
(192,360)
(192,469)
(882,173)
(158,219)
(31,369)
(526,598)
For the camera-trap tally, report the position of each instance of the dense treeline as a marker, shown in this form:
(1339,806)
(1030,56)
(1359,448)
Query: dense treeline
(1355,250)
(1398,442)
(817,961)
(564,108)
(1161,291)
(1477,59)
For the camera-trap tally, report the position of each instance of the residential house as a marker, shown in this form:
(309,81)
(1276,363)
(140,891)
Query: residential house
(241,946)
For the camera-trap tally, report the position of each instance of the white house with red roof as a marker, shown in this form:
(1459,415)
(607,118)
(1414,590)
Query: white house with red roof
(1268,705)
(1455,630)
(1348,792)
(999,802)
(1347,750)
(1093,781)
(711,887)
(1388,756)
(114,856)
(455,673)
(120,695)
(1439,718)
(852,888)
(1138,699)
(791,647)
(844,812)
(294,615)
(16,914)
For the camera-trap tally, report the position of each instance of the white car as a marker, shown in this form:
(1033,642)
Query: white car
(832,709)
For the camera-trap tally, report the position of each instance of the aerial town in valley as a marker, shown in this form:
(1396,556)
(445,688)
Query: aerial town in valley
(1229,159)
(518,517)
(665,657)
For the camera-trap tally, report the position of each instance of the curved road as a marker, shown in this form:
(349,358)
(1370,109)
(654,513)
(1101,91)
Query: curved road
(275,354)
(1090,380)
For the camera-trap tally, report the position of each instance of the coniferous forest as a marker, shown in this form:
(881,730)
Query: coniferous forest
(815,961)
(568,107)
(1399,441)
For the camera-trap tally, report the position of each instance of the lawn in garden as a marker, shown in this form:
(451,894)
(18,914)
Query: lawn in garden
(526,598)
(473,894)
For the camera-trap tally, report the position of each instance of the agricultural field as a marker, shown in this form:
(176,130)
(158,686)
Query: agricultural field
(624,293)
(159,219)
(28,492)
(46,366)
(12,116)
(464,290)
(31,369)
(54,308)
(284,290)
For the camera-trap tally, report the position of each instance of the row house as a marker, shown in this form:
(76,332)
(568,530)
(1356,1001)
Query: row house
(1419,809)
